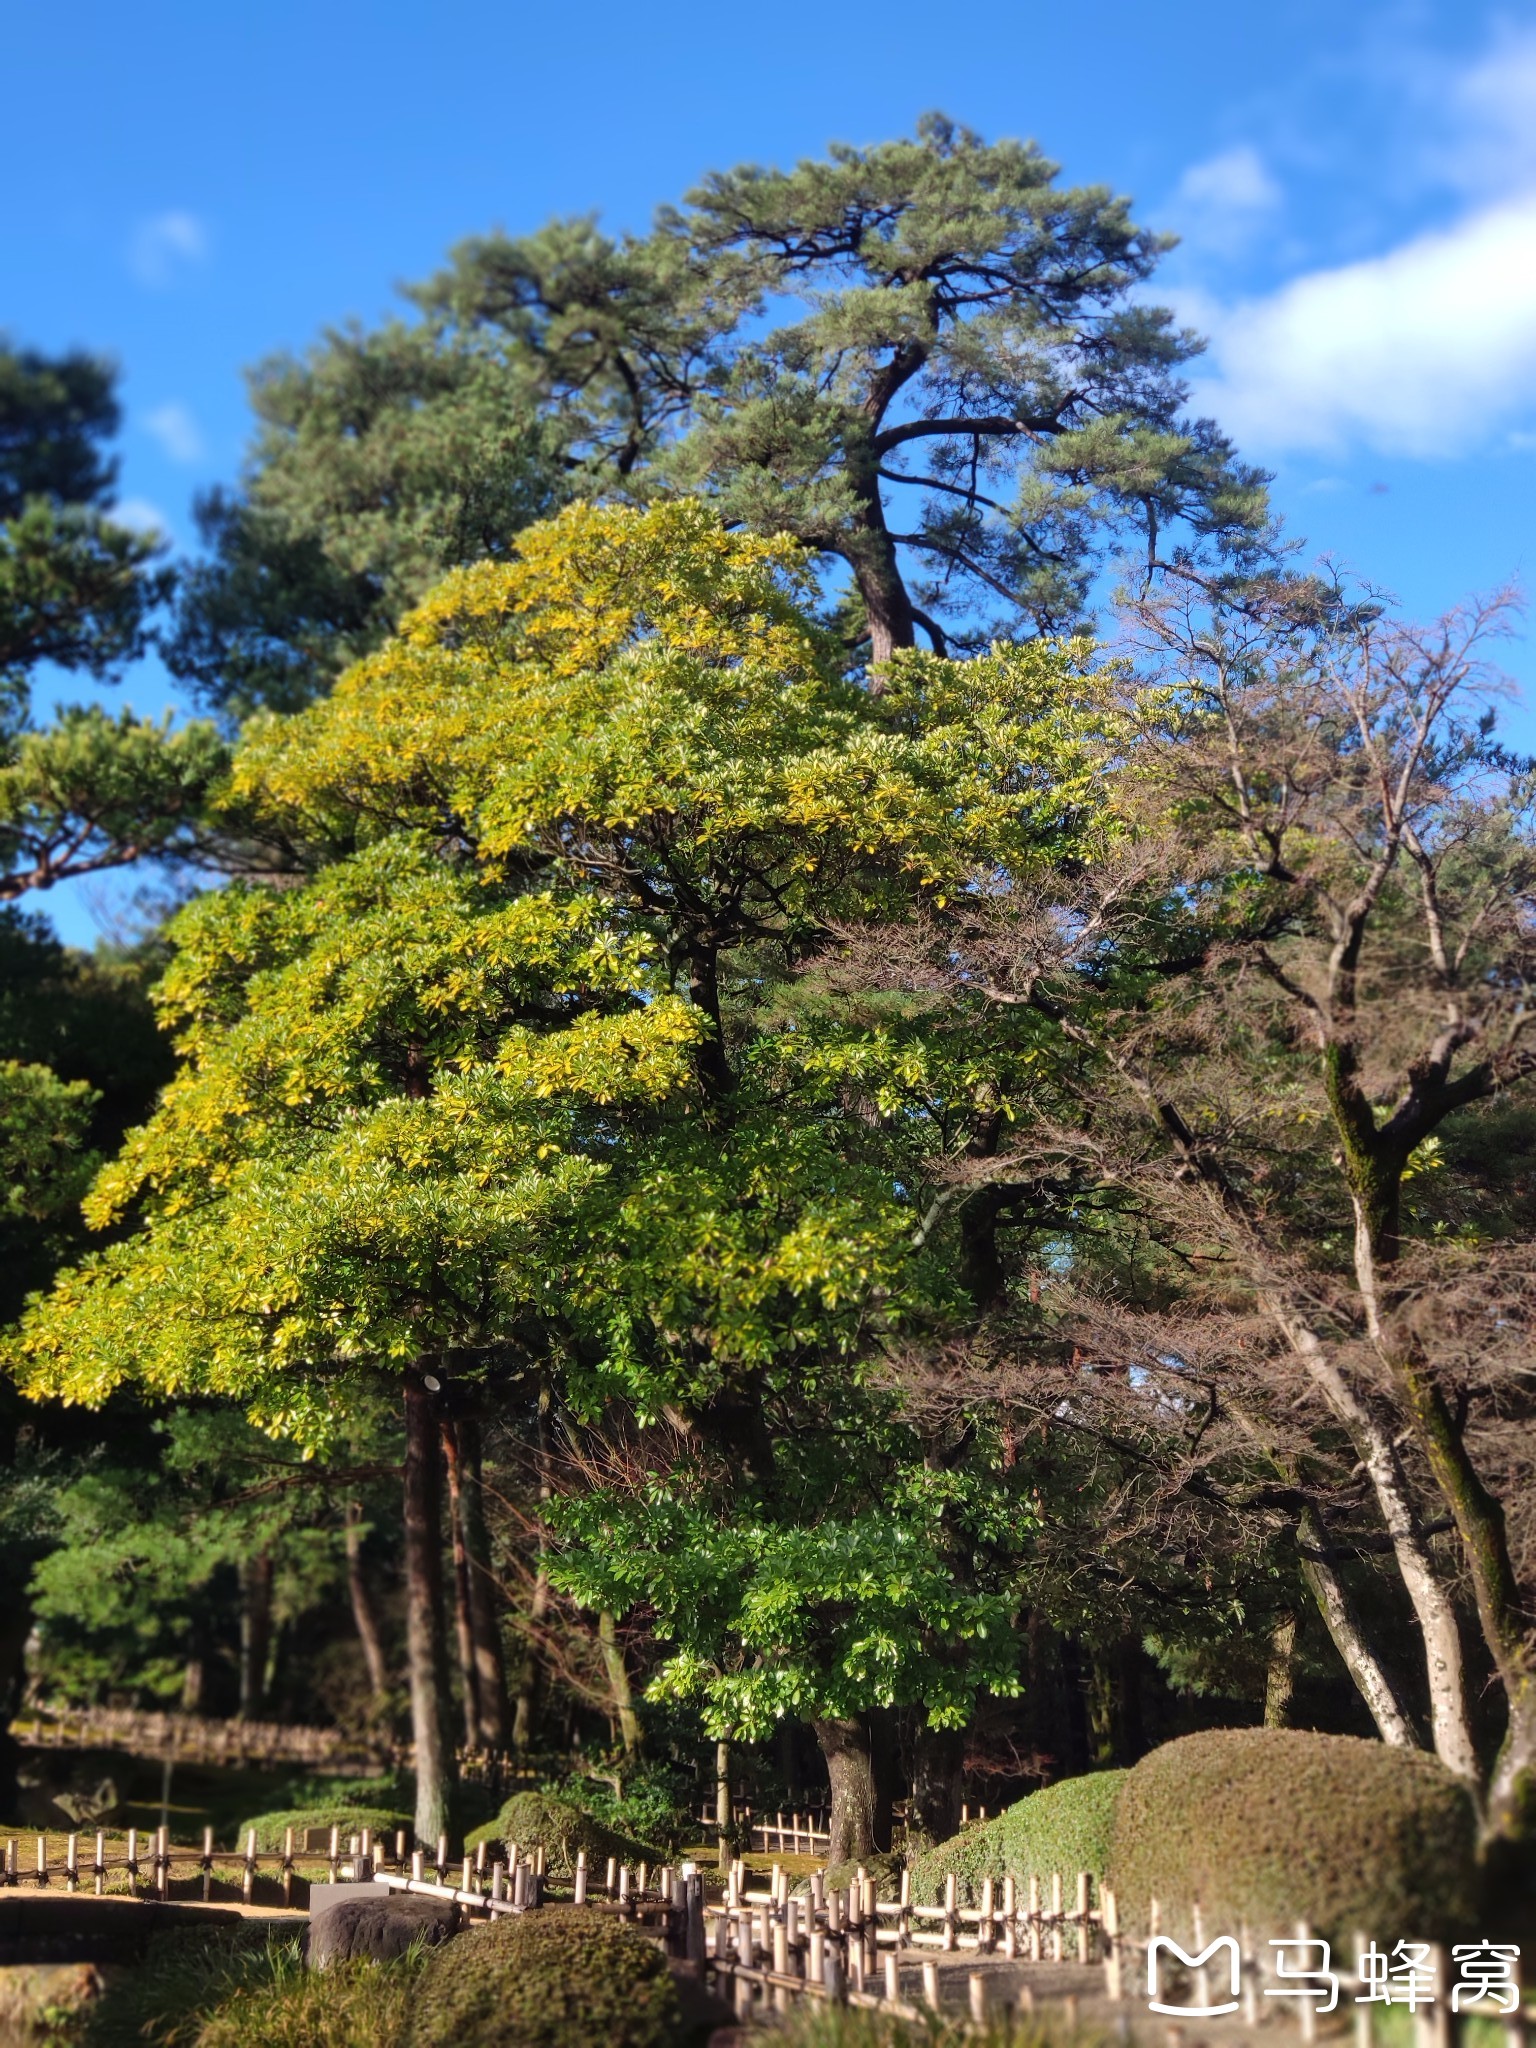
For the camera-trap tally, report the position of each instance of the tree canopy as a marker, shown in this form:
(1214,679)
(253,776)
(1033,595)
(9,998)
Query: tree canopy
(927,360)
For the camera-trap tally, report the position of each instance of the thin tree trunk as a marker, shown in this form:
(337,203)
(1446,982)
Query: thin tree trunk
(484,1620)
(1433,1607)
(723,1785)
(425,1646)
(618,1683)
(255,1631)
(364,1618)
(938,1759)
(1342,1620)
(851,1773)
(464,1628)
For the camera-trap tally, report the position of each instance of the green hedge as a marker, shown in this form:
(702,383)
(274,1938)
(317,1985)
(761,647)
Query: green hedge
(1065,1827)
(559,1977)
(351,1820)
(1273,1825)
(538,1820)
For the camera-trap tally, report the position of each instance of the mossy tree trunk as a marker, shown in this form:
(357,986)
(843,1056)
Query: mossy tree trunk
(426,1649)
(845,1744)
(620,1689)
(485,1621)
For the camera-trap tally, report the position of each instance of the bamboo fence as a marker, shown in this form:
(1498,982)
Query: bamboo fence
(765,1946)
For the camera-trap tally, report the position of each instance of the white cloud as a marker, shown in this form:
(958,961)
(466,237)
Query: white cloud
(142,516)
(162,245)
(176,430)
(1425,350)
(1492,113)
(1221,202)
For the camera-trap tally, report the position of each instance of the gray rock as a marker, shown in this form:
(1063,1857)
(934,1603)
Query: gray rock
(378,1929)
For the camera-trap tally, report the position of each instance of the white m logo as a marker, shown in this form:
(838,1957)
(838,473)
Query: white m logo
(1155,1948)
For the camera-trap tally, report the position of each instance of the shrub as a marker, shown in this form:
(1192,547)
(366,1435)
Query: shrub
(550,1979)
(1065,1827)
(351,1820)
(1272,1825)
(538,1820)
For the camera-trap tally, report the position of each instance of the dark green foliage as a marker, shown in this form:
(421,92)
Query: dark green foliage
(55,411)
(351,1820)
(240,1986)
(551,1980)
(381,461)
(185,1974)
(965,402)
(536,1820)
(1273,1825)
(1065,1827)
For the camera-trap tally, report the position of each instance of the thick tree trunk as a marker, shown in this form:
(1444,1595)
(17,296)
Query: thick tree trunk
(850,1769)
(1280,1676)
(255,1632)
(485,1622)
(886,603)
(464,1628)
(364,1619)
(618,1683)
(15,1629)
(424,1631)
(525,1717)
(938,1760)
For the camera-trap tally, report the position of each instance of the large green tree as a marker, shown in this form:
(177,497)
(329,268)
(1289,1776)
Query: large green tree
(78,590)
(928,360)
(496,1091)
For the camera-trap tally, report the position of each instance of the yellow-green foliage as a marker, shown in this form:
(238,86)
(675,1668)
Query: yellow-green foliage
(536,1820)
(453,1080)
(551,1980)
(1065,1827)
(349,1820)
(1272,1825)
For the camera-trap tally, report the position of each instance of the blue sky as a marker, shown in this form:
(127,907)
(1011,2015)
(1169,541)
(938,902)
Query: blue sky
(1355,186)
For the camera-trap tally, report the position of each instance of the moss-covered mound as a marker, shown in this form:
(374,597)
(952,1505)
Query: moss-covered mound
(1272,1825)
(1066,1827)
(351,1820)
(537,1820)
(557,1977)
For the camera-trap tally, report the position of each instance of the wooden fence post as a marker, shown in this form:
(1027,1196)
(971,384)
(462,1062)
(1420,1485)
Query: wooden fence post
(1109,1920)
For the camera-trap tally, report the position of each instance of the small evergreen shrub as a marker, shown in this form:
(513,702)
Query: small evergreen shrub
(351,1820)
(1064,1827)
(538,1820)
(552,1979)
(1273,1825)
